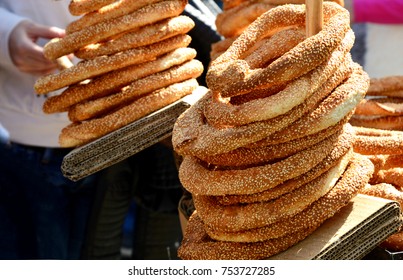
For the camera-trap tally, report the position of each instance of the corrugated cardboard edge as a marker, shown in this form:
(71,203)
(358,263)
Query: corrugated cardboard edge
(352,233)
(127,141)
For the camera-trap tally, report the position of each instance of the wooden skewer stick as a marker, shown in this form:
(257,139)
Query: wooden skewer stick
(314,16)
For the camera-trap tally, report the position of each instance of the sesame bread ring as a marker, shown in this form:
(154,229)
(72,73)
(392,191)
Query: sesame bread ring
(338,105)
(104,64)
(197,245)
(386,161)
(367,131)
(338,155)
(348,186)
(79,7)
(221,112)
(387,106)
(78,134)
(143,36)
(384,190)
(113,81)
(113,10)
(388,169)
(378,141)
(217,48)
(237,15)
(192,135)
(231,23)
(230,75)
(391,86)
(240,217)
(258,154)
(100,106)
(393,176)
(95,33)
(200,179)
(378,122)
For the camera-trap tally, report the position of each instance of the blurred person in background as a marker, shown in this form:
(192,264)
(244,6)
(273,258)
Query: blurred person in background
(42,214)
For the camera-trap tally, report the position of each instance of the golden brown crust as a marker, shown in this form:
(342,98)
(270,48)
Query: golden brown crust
(378,141)
(230,75)
(110,11)
(352,181)
(228,4)
(378,122)
(78,134)
(101,65)
(384,190)
(323,79)
(113,81)
(100,106)
(241,217)
(337,106)
(232,22)
(79,7)
(197,245)
(378,107)
(259,152)
(143,36)
(205,140)
(338,154)
(385,161)
(367,131)
(106,29)
(238,14)
(198,179)
(393,176)
(381,86)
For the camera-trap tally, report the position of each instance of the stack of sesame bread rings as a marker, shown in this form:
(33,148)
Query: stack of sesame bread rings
(378,126)
(268,150)
(135,60)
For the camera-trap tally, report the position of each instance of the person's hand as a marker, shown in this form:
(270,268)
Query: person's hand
(28,56)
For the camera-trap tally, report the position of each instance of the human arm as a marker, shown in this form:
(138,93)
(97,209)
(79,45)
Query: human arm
(18,44)
(375,11)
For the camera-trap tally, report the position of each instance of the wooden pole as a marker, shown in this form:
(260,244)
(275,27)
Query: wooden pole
(314,16)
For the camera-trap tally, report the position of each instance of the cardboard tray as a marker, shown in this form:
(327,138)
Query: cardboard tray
(357,229)
(127,141)
(352,233)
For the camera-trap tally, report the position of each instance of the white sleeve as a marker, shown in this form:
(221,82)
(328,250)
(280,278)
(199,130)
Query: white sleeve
(8,21)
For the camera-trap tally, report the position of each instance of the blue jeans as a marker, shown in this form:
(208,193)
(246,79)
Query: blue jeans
(43,215)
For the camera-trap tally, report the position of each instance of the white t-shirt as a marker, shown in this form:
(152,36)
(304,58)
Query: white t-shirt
(21,112)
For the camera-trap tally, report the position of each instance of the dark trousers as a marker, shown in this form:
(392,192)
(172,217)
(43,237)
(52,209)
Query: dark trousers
(43,215)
